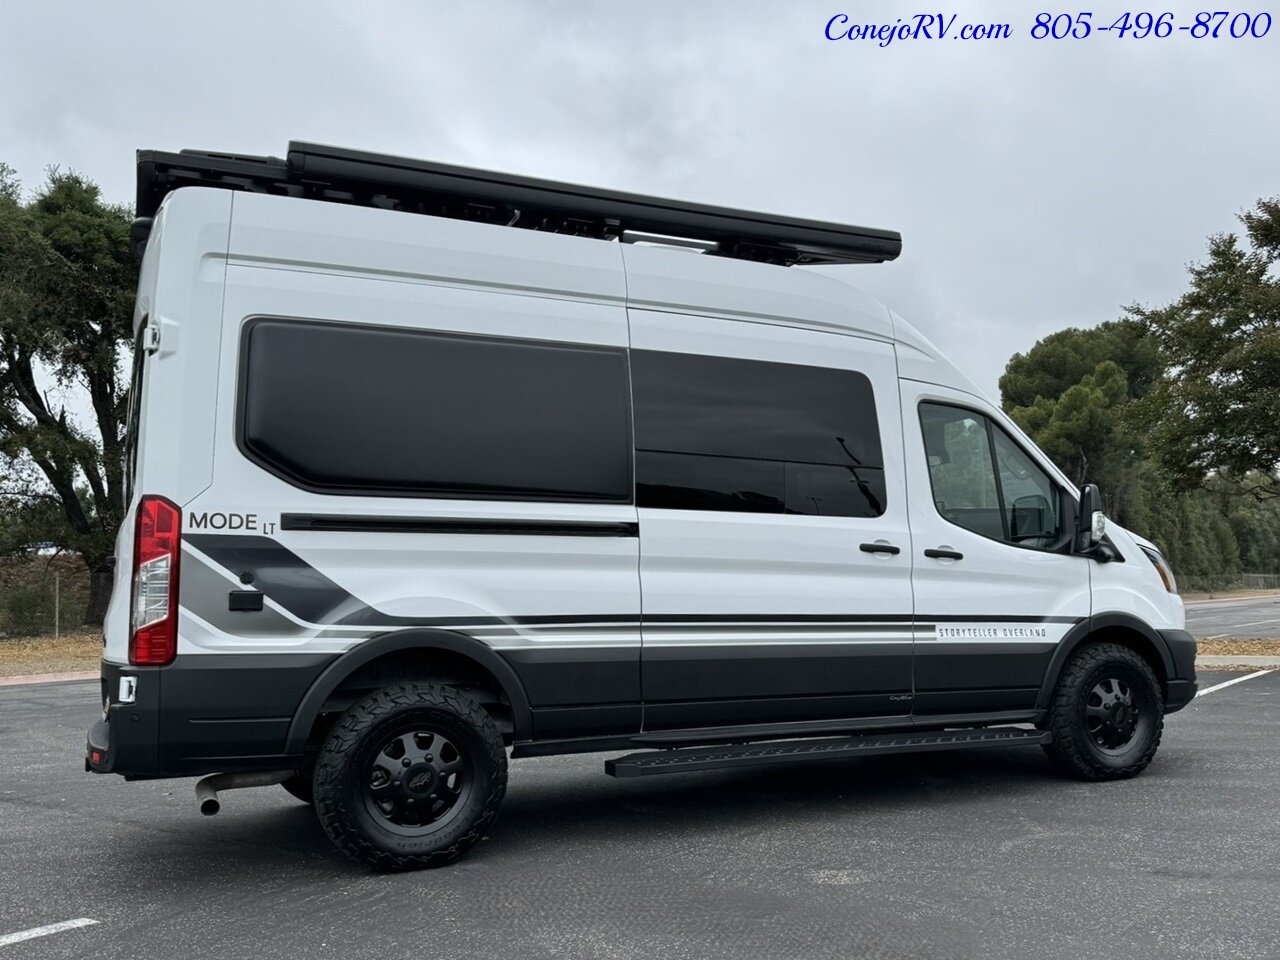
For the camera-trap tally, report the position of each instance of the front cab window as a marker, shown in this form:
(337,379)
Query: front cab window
(983,481)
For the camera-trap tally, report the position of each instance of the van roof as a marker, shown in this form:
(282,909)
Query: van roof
(361,236)
(359,240)
(342,175)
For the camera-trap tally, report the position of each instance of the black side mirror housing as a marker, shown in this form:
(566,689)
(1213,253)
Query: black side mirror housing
(1091,525)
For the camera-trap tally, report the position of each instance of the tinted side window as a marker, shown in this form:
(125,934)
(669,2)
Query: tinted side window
(984,482)
(686,481)
(717,433)
(960,468)
(378,410)
(1031,502)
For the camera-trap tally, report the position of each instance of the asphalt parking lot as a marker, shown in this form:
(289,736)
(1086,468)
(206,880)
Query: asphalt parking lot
(985,854)
(1251,617)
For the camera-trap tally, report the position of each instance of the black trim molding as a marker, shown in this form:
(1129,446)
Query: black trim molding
(1155,642)
(458,525)
(345,665)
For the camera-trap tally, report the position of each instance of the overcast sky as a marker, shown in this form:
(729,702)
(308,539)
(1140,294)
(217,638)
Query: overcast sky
(1037,184)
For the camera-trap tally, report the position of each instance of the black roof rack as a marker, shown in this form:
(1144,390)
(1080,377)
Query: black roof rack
(339,175)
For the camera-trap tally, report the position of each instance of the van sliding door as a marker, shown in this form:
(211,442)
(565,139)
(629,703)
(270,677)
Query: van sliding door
(775,558)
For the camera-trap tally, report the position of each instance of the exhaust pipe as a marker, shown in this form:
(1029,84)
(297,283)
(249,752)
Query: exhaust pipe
(207,789)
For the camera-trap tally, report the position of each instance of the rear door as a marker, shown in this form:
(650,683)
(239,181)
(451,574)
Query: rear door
(775,556)
(995,584)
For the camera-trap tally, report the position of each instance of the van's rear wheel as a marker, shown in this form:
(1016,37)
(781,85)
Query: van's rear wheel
(1107,714)
(410,777)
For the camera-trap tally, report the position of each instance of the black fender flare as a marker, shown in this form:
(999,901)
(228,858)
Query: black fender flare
(1083,630)
(425,640)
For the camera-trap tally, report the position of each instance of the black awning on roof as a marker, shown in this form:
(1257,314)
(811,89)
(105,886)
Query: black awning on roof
(340,175)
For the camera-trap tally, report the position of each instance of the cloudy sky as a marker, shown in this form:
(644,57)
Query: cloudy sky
(1038,184)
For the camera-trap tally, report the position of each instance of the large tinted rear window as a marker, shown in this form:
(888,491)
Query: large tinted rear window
(720,433)
(380,410)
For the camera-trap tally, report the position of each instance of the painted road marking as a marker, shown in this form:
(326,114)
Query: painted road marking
(11,938)
(1227,683)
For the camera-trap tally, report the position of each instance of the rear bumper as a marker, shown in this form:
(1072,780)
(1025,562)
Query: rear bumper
(126,739)
(223,713)
(1181,686)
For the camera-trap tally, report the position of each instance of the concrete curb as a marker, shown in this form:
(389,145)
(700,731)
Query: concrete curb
(1208,662)
(35,678)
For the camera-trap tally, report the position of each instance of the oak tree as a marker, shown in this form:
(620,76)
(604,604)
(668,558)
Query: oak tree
(67,287)
(1214,412)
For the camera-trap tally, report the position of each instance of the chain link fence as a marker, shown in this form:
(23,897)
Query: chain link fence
(42,595)
(1235,581)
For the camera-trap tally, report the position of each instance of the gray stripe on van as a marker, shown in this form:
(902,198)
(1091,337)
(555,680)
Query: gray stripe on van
(204,590)
(303,592)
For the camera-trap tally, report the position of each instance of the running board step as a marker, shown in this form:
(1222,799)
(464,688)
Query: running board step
(693,759)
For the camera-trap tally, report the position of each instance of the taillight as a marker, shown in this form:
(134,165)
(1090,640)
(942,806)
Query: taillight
(156,545)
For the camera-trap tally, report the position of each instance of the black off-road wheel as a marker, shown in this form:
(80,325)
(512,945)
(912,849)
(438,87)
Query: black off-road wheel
(410,777)
(1107,714)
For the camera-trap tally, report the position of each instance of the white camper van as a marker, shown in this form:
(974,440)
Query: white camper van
(431,467)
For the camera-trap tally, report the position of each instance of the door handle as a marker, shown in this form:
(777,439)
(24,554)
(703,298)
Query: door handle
(939,553)
(878,548)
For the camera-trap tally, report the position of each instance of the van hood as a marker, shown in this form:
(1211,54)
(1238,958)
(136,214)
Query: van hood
(1140,541)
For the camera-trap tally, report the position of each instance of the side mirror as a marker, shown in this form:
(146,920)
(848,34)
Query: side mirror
(1091,525)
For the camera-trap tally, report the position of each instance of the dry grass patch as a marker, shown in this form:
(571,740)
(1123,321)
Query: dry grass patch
(65,654)
(1235,647)
(1232,646)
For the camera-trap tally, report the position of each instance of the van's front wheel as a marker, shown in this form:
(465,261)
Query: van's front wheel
(410,776)
(1107,714)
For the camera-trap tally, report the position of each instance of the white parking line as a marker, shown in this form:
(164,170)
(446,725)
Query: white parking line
(1227,683)
(12,938)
